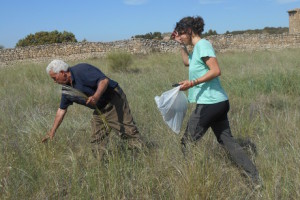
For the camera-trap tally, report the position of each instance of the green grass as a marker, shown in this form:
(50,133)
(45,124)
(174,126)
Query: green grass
(263,88)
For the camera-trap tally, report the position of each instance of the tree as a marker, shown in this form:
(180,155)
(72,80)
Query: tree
(155,35)
(210,32)
(1,46)
(44,37)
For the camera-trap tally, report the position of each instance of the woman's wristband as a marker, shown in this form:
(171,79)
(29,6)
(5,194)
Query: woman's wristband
(193,83)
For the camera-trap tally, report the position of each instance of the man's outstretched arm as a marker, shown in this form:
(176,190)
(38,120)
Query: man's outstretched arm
(57,121)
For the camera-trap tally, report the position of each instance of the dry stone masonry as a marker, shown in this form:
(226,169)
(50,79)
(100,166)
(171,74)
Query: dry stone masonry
(222,43)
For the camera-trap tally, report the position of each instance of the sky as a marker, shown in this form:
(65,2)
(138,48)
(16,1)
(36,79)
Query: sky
(111,20)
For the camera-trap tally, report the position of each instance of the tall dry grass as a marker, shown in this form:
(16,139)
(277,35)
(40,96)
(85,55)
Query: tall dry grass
(119,61)
(263,88)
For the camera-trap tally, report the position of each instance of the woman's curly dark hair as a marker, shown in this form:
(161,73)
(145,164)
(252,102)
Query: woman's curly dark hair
(196,24)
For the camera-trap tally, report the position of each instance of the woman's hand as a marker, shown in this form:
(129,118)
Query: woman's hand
(184,52)
(175,36)
(185,85)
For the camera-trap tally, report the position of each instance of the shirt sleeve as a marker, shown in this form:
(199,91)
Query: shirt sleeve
(206,50)
(64,102)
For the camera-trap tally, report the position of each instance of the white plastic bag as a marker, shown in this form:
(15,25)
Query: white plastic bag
(173,106)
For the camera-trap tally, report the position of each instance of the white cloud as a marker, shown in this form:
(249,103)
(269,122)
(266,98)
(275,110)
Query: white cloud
(210,1)
(135,2)
(286,1)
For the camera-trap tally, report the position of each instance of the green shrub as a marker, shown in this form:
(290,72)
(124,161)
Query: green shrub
(43,37)
(119,60)
(266,30)
(155,35)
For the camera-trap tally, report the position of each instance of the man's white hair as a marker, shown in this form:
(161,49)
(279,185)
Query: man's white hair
(56,66)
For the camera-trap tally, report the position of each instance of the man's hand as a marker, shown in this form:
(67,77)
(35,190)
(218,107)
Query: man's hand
(102,86)
(92,101)
(48,136)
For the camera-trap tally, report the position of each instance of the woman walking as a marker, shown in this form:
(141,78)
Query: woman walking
(205,90)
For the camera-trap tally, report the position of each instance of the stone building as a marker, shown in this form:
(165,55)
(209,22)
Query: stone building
(294,16)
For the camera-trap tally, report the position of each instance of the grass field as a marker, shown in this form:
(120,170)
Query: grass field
(264,92)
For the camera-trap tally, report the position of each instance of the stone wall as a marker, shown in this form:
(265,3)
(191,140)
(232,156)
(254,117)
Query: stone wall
(76,51)
(249,42)
(73,51)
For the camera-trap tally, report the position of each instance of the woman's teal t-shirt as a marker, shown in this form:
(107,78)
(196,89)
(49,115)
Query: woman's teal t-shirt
(209,92)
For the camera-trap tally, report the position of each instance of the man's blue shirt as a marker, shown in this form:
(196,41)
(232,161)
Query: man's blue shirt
(86,78)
